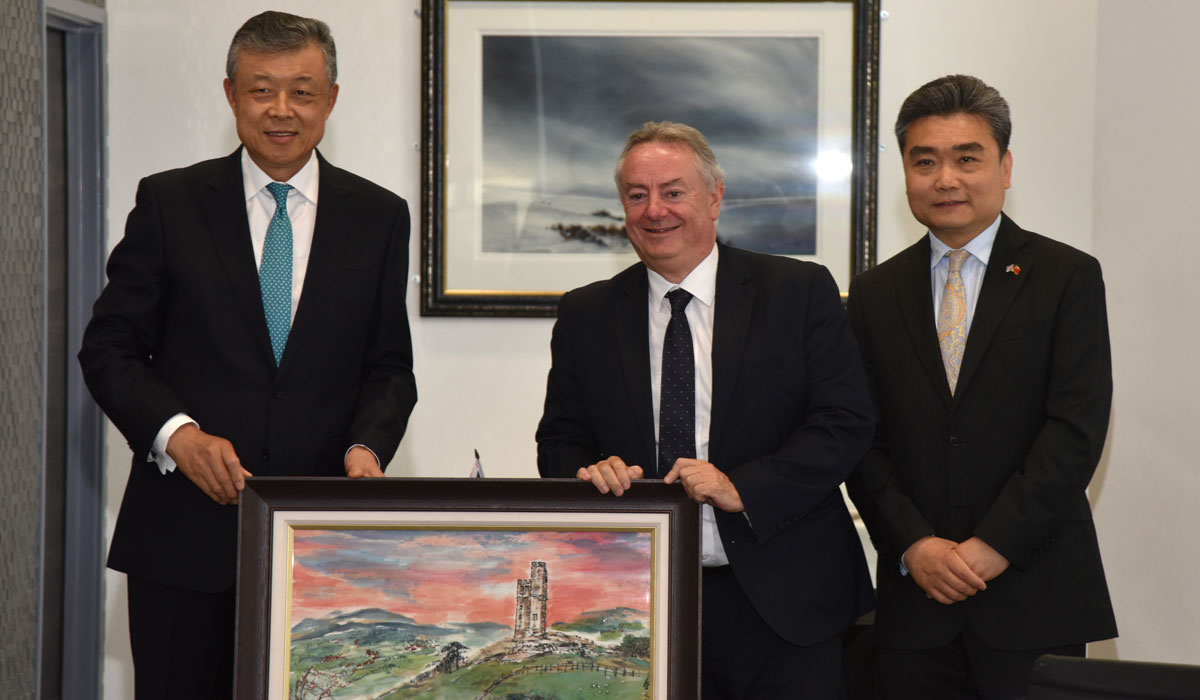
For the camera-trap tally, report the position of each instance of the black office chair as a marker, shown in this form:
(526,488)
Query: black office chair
(1073,678)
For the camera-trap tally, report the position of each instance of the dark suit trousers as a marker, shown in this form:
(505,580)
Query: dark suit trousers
(743,659)
(966,669)
(182,642)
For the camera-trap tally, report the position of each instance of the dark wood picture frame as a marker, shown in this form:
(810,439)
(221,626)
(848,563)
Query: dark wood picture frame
(475,499)
(438,299)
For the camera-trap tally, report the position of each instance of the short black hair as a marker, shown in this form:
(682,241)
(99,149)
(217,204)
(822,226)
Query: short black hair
(956,94)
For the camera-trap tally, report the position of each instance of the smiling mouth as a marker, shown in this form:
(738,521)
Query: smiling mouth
(660,230)
(281,134)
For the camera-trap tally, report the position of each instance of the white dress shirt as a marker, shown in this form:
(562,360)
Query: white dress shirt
(701,283)
(980,249)
(260,209)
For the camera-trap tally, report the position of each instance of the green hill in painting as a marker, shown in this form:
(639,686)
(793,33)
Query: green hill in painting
(367,652)
(374,653)
(607,625)
(555,667)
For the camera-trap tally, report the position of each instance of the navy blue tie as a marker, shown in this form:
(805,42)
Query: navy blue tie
(677,396)
(275,272)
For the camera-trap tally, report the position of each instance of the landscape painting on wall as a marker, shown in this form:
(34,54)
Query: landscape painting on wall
(529,104)
(508,613)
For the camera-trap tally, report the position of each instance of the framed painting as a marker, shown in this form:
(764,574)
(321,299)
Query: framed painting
(527,105)
(465,588)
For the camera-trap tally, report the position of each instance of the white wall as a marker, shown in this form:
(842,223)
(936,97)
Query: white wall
(481,381)
(1041,56)
(1146,179)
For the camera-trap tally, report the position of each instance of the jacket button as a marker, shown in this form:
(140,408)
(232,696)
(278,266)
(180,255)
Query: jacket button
(278,394)
(955,441)
(266,453)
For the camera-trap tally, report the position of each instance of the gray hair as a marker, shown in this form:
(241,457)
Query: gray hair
(278,32)
(956,94)
(674,132)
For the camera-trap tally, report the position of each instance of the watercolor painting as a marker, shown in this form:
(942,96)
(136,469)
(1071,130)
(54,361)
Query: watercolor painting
(389,613)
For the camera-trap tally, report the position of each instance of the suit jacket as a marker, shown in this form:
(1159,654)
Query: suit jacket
(180,328)
(1008,458)
(790,418)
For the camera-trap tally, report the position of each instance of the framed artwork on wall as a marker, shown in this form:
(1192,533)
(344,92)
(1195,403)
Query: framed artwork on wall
(527,105)
(451,588)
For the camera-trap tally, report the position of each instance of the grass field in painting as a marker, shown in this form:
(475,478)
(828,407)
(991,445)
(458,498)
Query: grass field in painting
(556,677)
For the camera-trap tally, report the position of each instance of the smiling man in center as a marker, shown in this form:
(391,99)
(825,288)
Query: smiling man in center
(735,375)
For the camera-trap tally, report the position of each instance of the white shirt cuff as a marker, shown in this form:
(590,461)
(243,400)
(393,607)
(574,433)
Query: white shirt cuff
(158,451)
(712,550)
(368,449)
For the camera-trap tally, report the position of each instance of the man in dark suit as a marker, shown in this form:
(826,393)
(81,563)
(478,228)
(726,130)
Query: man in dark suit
(735,374)
(193,352)
(987,350)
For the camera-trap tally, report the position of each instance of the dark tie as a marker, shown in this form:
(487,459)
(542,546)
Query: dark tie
(677,398)
(275,271)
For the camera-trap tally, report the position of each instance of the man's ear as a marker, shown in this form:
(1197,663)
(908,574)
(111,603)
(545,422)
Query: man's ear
(333,93)
(718,194)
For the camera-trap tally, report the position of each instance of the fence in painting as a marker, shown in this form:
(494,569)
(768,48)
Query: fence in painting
(606,671)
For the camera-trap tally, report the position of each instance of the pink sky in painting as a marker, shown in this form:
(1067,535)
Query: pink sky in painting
(465,576)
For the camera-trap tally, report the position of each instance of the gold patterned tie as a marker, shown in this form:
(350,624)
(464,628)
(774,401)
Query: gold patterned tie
(952,318)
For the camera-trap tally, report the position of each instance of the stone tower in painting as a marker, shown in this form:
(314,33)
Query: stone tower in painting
(532,596)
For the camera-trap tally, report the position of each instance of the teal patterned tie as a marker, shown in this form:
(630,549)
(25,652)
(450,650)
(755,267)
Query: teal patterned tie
(952,318)
(275,272)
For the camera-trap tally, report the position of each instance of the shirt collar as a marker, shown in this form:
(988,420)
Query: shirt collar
(979,247)
(305,181)
(701,282)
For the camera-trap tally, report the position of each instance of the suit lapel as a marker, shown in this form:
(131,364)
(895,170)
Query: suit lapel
(915,296)
(335,216)
(733,307)
(633,340)
(996,295)
(224,205)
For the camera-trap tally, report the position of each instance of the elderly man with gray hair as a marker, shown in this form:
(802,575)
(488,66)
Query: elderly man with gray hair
(253,323)
(736,376)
